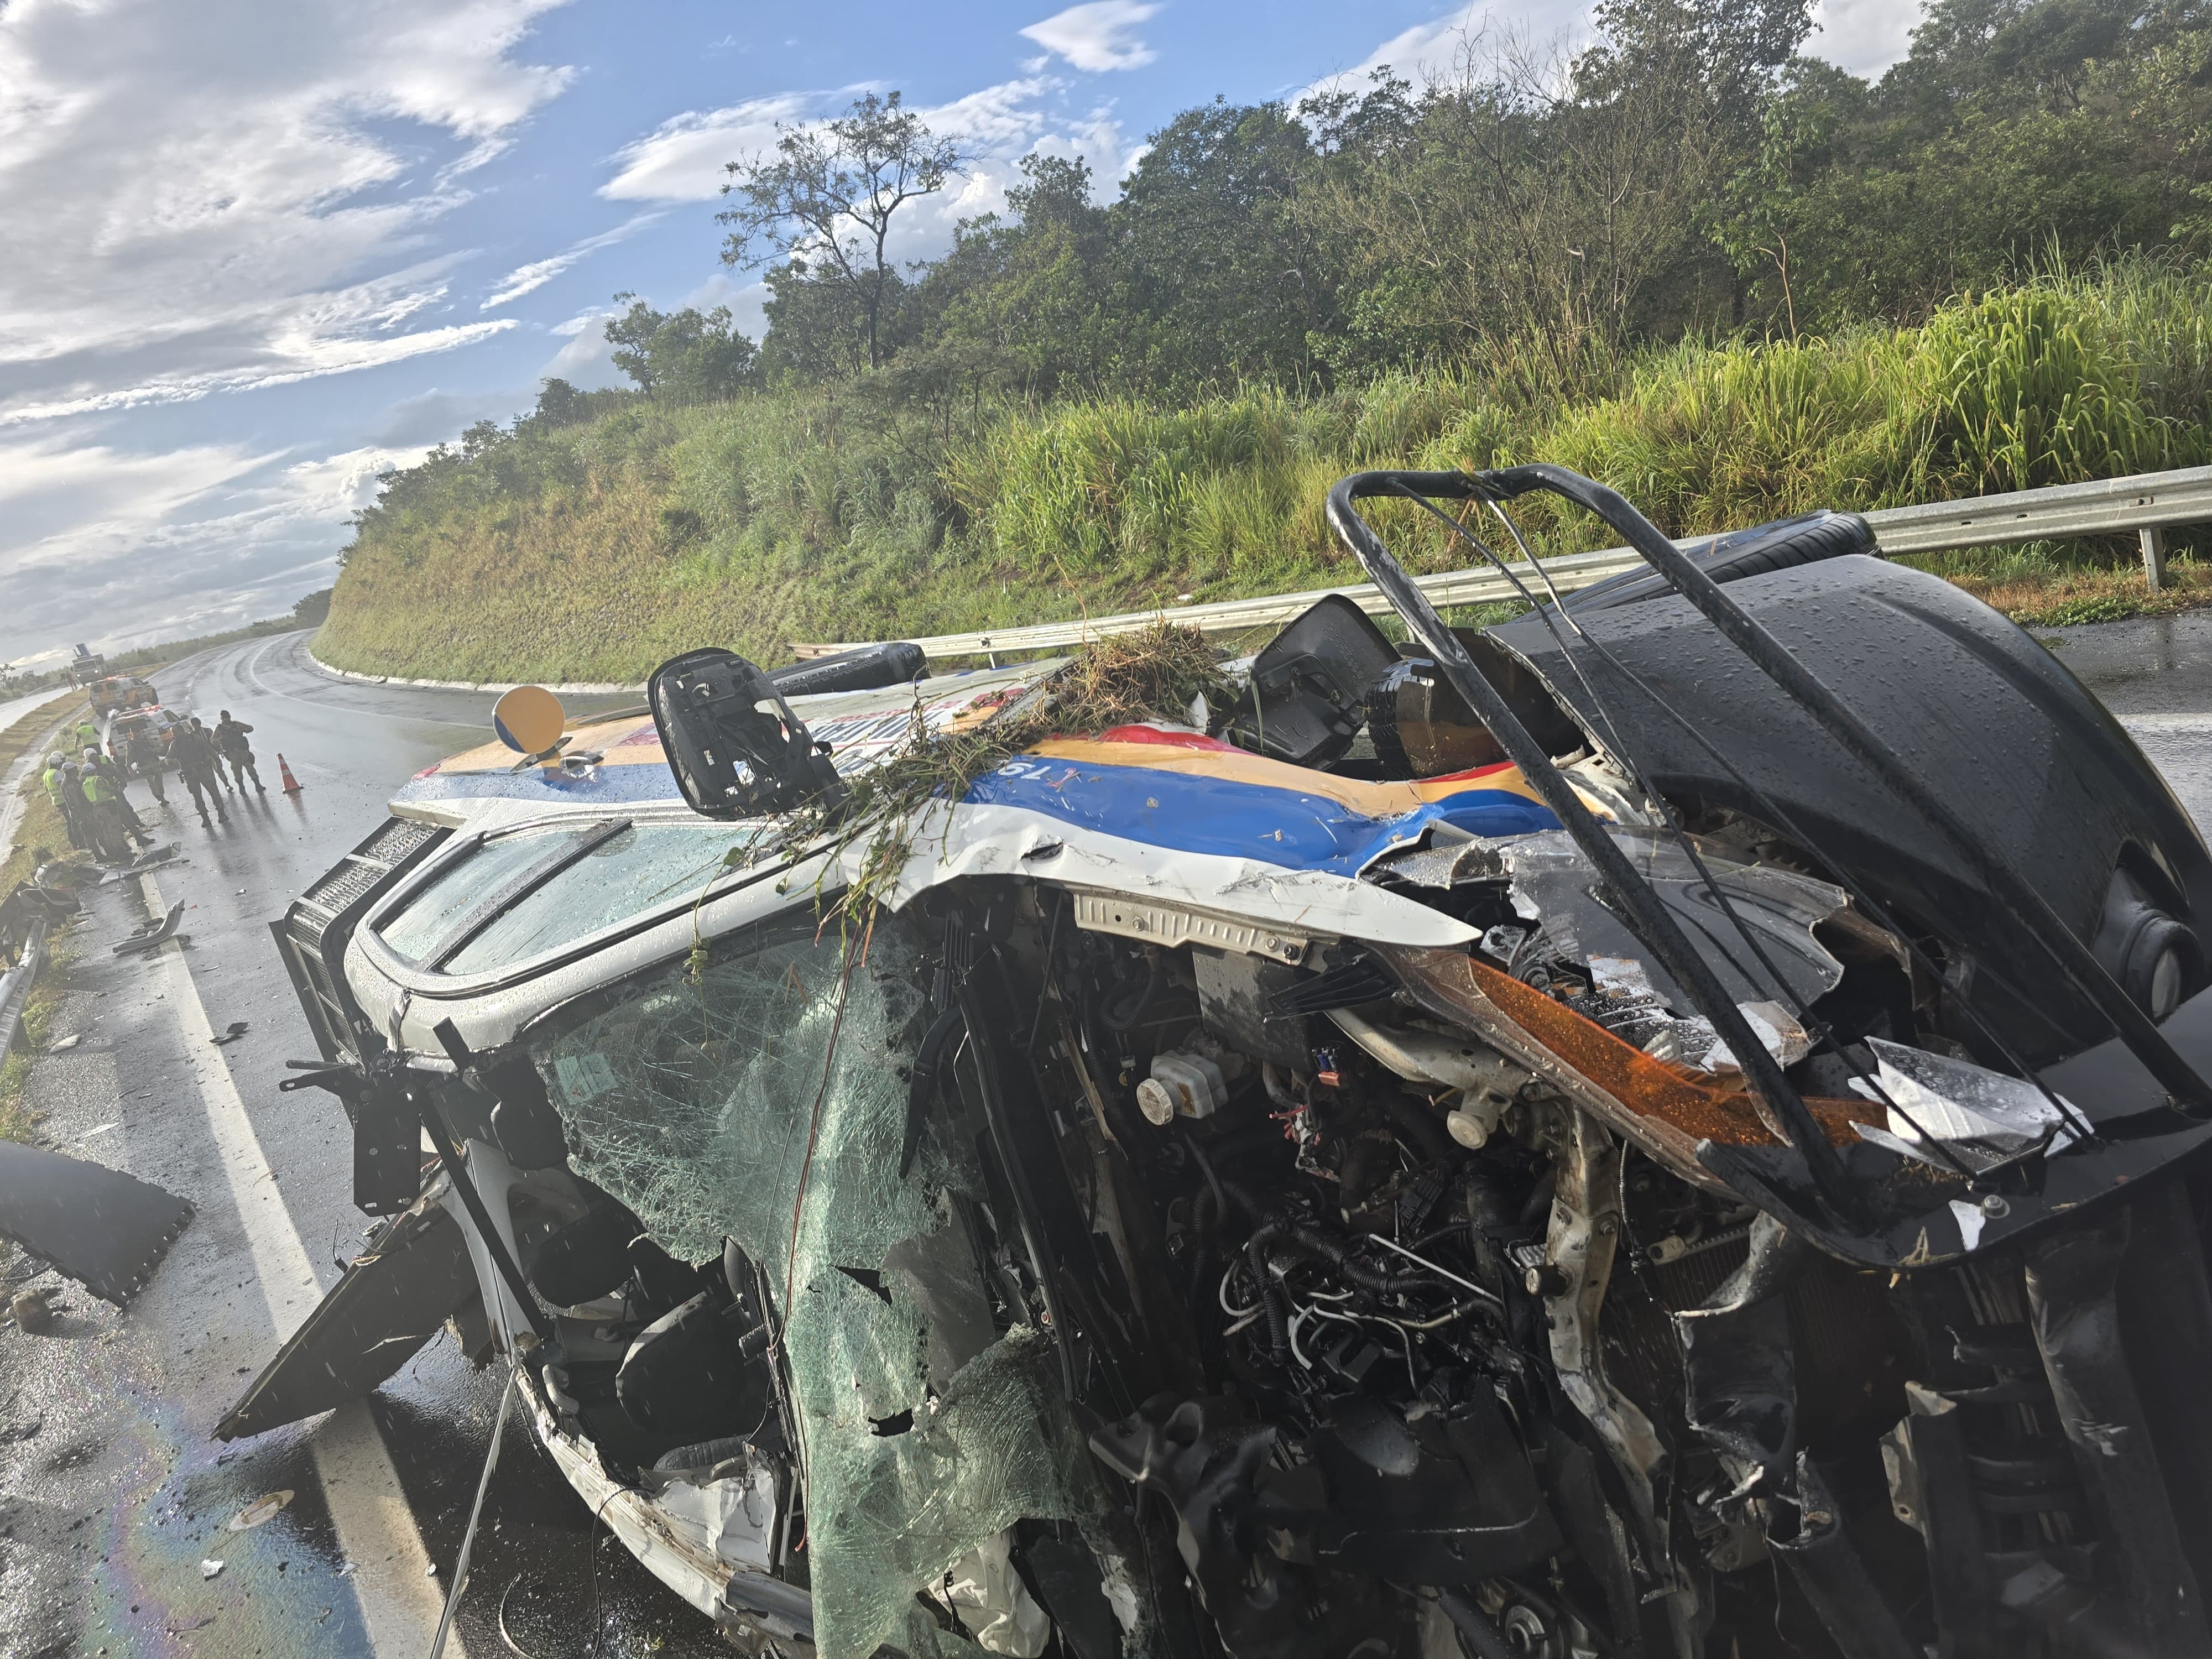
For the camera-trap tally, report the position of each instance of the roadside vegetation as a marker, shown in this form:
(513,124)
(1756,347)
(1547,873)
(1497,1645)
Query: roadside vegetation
(1986,271)
(17,1121)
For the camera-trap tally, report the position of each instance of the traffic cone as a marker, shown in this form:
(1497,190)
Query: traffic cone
(284,771)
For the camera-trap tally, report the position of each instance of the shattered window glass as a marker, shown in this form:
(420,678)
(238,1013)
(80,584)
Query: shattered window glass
(462,884)
(645,865)
(764,1096)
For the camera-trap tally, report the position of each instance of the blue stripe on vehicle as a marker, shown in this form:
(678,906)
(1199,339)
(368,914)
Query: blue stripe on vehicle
(1192,813)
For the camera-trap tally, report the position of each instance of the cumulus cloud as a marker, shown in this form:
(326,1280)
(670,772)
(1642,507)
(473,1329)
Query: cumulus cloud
(1097,36)
(587,357)
(158,545)
(439,416)
(220,204)
(527,279)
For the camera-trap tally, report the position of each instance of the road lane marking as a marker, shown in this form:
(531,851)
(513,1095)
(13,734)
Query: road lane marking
(400,1601)
(250,666)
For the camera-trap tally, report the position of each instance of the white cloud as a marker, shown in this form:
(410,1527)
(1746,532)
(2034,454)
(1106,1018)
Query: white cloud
(201,202)
(684,159)
(1097,36)
(158,544)
(1438,51)
(525,279)
(586,358)
(1864,36)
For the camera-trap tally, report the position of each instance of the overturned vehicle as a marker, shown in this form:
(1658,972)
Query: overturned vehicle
(1667,1127)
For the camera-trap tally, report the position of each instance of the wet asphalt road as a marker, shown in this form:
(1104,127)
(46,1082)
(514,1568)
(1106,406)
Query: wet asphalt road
(2155,673)
(112,1496)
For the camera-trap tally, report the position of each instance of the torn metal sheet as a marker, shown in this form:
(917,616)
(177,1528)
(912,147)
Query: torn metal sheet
(104,1229)
(1980,1117)
(154,933)
(391,1301)
(1553,885)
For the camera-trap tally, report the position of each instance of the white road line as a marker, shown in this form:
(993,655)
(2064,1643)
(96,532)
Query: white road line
(251,667)
(400,1601)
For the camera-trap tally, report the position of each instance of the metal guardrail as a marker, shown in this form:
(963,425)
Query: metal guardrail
(2145,505)
(15,984)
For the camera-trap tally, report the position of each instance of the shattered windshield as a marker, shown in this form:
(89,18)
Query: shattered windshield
(430,913)
(645,865)
(762,1095)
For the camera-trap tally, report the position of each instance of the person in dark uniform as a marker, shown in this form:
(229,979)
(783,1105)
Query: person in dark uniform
(101,834)
(230,744)
(143,752)
(194,748)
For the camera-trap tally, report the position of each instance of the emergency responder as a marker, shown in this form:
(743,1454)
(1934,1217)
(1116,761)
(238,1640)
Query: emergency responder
(230,744)
(114,825)
(88,735)
(63,801)
(118,776)
(101,836)
(194,749)
(143,751)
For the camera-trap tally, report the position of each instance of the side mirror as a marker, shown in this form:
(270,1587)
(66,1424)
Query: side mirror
(737,749)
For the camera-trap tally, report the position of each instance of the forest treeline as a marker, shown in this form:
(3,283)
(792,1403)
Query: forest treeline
(1689,172)
(1731,279)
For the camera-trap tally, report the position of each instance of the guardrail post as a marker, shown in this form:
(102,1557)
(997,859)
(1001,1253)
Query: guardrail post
(2154,552)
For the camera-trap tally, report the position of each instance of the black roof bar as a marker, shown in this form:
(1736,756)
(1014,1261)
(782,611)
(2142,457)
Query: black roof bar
(2068,953)
(1781,1106)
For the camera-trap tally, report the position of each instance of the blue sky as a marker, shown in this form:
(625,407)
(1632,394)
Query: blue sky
(262,248)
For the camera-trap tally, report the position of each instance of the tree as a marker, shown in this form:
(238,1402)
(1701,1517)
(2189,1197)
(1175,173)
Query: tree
(559,404)
(1229,277)
(1029,307)
(826,200)
(686,356)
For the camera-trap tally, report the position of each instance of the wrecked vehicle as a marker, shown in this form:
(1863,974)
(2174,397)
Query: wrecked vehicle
(1669,1126)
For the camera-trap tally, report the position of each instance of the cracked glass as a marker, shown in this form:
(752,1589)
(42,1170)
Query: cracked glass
(646,866)
(762,1095)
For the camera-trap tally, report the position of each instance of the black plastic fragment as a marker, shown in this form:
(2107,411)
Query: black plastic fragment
(106,1230)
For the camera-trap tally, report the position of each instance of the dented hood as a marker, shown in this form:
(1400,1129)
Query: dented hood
(2021,751)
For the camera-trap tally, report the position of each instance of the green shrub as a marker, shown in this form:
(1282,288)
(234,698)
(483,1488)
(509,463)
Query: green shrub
(591,551)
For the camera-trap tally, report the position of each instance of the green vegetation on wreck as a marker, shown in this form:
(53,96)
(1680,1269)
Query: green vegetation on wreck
(590,540)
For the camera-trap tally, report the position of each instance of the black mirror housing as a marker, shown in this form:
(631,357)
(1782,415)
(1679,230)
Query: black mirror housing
(737,749)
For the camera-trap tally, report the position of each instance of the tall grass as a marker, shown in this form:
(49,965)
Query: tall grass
(590,552)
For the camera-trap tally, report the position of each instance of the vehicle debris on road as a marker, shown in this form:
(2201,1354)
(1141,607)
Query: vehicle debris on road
(263,1509)
(153,933)
(104,1229)
(1671,1126)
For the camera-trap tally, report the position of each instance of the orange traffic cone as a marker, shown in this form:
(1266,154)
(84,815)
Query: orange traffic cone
(284,771)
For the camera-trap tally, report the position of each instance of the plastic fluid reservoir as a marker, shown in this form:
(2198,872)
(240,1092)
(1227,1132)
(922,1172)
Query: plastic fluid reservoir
(1181,1084)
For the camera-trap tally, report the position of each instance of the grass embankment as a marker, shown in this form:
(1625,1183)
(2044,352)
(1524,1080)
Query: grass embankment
(592,551)
(39,828)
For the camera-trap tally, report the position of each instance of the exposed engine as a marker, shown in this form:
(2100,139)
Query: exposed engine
(1606,1179)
